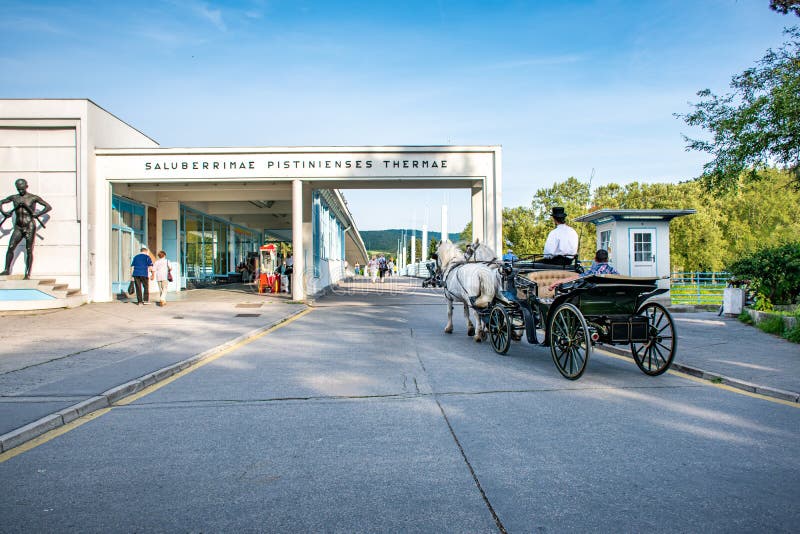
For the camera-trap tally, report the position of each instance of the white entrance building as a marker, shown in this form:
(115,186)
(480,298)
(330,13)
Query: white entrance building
(114,189)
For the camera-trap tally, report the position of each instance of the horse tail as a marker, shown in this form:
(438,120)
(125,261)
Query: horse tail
(487,289)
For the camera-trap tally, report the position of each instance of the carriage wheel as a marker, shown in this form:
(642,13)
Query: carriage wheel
(655,355)
(569,341)
(500,329)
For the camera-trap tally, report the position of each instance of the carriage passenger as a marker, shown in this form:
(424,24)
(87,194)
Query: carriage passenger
(600,265)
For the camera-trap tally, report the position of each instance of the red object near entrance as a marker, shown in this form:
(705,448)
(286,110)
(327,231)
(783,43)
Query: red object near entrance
(269,283)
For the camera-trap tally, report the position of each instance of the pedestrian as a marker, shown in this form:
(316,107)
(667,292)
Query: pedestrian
(289,271)
(390,267)
(141,267)
(382,267)
(373,268)
(163,274)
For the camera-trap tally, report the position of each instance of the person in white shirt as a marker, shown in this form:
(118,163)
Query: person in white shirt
(563,239)
(161,270)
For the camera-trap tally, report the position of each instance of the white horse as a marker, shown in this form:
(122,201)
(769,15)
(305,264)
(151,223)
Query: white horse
(465,280)
(478,251)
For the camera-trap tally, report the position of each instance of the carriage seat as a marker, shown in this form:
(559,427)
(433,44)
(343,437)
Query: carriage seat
(544,279)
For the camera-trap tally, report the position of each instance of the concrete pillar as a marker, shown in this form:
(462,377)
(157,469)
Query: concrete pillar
(100,255)
(424,243)
(478,214)
(414,247)
(494,204)
(298,251)
(170,211)
(444,223)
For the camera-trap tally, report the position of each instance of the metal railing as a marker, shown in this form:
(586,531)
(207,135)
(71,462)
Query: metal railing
(698,288)
(688,288)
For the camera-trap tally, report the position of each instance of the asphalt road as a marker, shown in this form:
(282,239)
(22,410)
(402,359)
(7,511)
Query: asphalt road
(363,416)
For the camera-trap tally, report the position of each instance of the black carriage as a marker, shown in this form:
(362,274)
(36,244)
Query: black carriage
(434,278)
(576,315)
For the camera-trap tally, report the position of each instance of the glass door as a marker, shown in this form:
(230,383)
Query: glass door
(127,236)
(643,252)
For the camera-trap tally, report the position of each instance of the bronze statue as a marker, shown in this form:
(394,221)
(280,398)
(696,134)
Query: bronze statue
(24,207)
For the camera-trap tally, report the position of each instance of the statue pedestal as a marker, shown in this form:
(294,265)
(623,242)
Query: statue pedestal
(18,294)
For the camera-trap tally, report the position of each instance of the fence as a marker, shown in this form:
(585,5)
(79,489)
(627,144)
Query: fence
(698,288)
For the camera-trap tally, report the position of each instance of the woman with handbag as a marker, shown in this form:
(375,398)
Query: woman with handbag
(163,275)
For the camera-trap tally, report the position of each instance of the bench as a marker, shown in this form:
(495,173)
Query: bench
(544,279)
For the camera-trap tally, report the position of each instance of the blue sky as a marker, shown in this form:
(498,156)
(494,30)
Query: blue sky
(565,87)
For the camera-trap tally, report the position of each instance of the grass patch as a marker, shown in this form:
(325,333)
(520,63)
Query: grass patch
(772,325)
(716,380)
(793,334)
(745,318)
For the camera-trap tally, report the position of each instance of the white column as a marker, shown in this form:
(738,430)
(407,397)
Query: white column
(424,243)
(298,255)
(478,216)
(444,222)
(414,247)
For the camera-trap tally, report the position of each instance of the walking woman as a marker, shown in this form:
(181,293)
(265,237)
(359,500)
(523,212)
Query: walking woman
(162,273)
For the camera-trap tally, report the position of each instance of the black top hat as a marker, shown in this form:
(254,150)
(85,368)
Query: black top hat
(558,212)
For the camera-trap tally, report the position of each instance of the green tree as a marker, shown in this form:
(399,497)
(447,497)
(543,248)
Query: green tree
(466,233)
(432,246)
(522,230)
(785,6)
(574,196)
(774,272)
(755,126)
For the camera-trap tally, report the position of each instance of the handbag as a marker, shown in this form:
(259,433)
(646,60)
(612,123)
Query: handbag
(169,274)
(131,288)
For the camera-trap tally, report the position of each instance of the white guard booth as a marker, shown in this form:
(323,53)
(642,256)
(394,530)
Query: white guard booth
(637,241)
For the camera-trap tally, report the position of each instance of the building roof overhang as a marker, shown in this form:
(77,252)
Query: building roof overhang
(603,216)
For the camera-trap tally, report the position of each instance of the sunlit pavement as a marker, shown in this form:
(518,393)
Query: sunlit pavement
(363,415)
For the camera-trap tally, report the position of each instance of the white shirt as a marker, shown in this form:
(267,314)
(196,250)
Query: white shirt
(562,241)
(161,268)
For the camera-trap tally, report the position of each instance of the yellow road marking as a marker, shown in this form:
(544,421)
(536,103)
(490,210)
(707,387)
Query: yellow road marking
(52,434)
(712,384)
(47,436)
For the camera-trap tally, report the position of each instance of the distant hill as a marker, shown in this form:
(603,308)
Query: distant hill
(386,240)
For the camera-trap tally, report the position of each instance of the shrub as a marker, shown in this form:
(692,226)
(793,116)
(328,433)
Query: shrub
(793,334)
(774,272)
(772,325)
(745,318)
(762,303)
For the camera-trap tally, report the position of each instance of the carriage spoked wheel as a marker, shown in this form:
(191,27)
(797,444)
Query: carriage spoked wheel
(500,329)
(569,341)
(655,355)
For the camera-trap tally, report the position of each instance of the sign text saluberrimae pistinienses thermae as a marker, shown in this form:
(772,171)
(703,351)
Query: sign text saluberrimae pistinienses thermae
(215,165)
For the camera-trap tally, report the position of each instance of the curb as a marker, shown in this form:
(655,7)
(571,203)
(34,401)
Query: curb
(107,399)
(717,378)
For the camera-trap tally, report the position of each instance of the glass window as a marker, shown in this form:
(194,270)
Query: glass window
(605,239)
(643,247)
(208,244)
(127,237)
(116,272)
(193,245)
